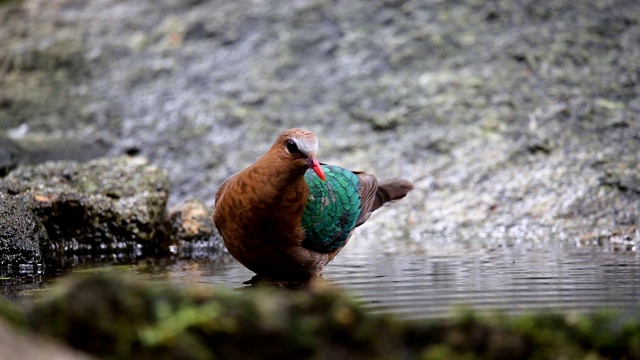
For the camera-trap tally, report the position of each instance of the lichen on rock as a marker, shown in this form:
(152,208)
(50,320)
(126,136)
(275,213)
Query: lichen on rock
(107,203)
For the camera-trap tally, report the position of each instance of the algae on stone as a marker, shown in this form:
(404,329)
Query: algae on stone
(111,316)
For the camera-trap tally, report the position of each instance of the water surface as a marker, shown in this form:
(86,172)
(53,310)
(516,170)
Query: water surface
(435,284)
(432,283)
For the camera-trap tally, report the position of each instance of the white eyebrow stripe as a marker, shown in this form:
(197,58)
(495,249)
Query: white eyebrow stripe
(306,146)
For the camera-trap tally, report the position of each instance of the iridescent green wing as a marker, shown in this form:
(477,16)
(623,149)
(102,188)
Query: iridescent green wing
(332,209)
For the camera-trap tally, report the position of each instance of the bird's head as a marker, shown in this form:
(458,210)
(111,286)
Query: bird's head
(301,145)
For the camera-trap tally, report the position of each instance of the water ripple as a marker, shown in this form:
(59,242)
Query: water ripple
(435,284)
(507,280)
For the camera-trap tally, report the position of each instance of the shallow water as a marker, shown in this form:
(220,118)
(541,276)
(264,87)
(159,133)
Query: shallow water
(432,285)
(438,282)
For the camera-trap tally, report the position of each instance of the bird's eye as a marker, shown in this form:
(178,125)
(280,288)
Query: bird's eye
(292,147)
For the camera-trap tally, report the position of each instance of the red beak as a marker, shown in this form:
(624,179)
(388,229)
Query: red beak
(315,165)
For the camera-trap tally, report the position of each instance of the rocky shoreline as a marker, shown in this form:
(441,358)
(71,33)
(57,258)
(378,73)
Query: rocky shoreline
(517,121)
(104,207)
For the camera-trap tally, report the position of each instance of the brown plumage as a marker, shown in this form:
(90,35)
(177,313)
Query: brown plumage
(259,211)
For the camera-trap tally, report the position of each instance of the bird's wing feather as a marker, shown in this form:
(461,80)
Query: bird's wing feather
(368,188)
(333,208)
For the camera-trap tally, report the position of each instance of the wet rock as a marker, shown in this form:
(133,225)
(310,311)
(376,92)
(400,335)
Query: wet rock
(191,229)
(623,238)
(21,236)
(191,221)
(103,204)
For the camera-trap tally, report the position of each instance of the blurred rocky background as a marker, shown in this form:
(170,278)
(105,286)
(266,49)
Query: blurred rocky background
(517,120)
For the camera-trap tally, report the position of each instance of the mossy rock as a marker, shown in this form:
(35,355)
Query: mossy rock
(112,316)
(117,317)
(100,204)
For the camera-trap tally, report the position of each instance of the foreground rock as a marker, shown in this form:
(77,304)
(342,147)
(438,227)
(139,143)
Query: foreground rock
(191,231)
(21,235)
(15,344)
(102,204)
(115,317)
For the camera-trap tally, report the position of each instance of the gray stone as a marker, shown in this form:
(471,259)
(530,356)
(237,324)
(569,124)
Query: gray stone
(102,204)
(21,235)
(191,230)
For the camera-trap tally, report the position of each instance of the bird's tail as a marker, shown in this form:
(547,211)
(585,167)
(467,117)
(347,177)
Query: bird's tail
(390,190)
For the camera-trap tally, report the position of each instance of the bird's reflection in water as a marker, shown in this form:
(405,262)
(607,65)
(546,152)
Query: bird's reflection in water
(261,281)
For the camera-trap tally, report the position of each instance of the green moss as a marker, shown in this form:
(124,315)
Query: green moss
(11,313)
(112,316)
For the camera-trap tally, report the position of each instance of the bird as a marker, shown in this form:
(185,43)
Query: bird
(286,216)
